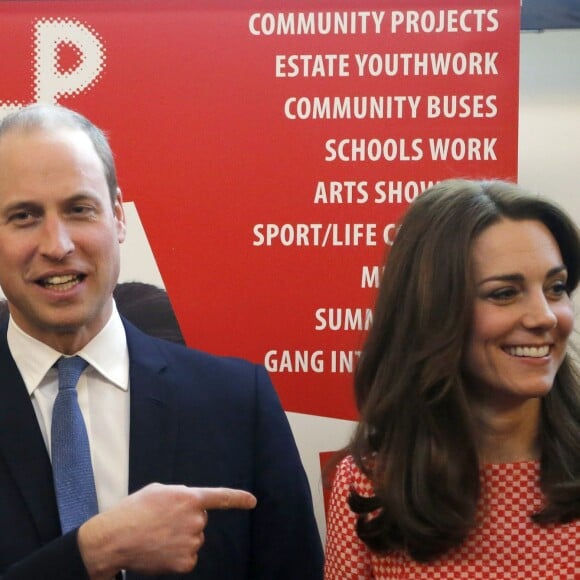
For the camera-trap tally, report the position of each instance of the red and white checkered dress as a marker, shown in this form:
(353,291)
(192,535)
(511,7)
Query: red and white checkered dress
(507,545)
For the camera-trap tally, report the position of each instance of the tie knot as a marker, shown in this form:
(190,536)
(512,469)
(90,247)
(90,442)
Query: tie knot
(69,371)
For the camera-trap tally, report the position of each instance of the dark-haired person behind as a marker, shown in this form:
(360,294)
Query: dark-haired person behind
(148,307)
(466,460)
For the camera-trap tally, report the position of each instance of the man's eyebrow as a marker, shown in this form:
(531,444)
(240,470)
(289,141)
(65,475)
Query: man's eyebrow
(81,195)
(33,204)
(22,204)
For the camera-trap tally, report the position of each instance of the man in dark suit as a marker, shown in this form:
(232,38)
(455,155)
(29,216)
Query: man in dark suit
(195,468)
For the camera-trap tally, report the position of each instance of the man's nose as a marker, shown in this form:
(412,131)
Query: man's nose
(56,242)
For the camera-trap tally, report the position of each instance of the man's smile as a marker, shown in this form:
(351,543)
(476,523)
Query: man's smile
(61,282)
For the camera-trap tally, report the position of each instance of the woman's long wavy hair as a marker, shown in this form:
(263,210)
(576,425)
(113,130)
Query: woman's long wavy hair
(416,438)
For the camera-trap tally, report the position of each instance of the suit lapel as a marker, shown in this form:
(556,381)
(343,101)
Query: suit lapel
(153,427)
(23,448)
(153,430)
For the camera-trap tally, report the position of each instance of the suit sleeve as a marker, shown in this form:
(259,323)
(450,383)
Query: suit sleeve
(286,541)
(57,560)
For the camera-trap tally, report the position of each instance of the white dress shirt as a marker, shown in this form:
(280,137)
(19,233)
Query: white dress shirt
(103,393)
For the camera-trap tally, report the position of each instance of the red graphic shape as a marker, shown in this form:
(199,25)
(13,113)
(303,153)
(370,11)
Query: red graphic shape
(68,57)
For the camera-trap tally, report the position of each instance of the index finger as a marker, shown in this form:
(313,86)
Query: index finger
(224,498)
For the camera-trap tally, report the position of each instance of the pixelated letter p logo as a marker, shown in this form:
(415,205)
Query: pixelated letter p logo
(55,77)
(68,58)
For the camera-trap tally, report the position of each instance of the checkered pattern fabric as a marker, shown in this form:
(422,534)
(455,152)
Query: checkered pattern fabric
(506,545)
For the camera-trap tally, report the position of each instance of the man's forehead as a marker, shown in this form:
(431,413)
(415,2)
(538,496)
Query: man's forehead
(48,129)
(25,141)
(36,159)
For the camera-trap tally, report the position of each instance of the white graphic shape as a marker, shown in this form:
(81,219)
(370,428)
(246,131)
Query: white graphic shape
(51,81)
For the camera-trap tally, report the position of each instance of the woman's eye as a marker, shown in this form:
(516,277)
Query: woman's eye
(503,294)
(558,288)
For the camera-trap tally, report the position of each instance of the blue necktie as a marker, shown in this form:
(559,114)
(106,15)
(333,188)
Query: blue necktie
(71,456)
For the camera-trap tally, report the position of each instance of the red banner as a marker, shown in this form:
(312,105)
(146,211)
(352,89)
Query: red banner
(269,150)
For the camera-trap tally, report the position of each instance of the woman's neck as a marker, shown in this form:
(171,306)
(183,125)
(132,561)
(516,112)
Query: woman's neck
(508,433)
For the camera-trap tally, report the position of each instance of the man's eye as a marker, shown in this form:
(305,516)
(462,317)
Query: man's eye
(82,210)
(21,217)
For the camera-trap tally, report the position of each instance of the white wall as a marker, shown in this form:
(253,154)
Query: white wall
(549,139)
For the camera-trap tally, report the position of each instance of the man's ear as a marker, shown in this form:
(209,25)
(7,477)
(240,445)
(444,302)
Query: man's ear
(119,214)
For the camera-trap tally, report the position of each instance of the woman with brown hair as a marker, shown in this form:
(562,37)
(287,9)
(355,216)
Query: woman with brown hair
(466,460)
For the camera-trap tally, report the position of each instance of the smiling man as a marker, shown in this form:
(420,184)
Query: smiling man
(170,433)
(59,235)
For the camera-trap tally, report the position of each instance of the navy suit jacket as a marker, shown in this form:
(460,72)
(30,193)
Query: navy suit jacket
(197,420)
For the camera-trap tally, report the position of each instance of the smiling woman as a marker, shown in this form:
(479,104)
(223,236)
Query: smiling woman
(522,318)
(466,457)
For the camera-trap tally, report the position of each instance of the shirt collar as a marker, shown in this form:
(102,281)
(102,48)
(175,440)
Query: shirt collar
(107,352)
